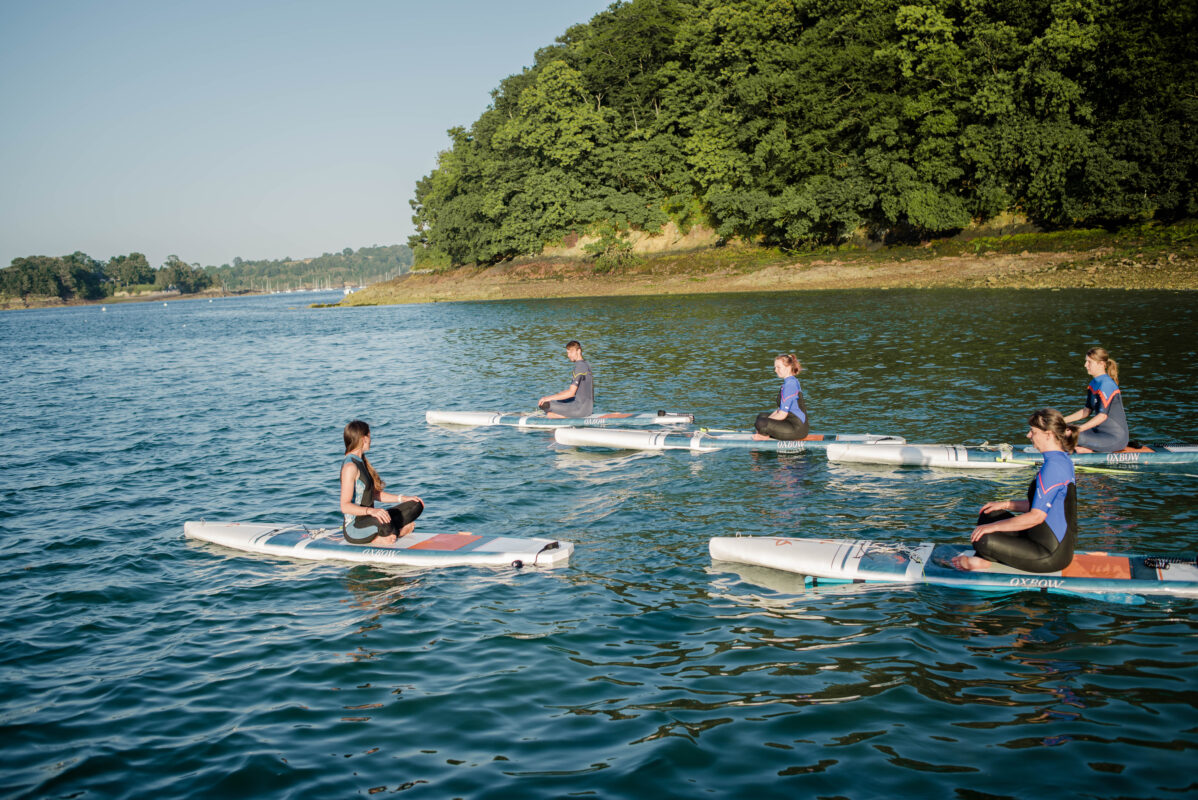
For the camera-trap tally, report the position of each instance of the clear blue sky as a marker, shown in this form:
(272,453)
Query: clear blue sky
(260,129)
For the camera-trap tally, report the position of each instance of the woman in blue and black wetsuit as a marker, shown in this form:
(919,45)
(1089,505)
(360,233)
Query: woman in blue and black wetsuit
(360,486)
(789,421)
(1042,537)
(1106,430)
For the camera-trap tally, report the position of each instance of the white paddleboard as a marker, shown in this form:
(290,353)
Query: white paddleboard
(540,420)
(418,549)
(1112,576)
(702,440)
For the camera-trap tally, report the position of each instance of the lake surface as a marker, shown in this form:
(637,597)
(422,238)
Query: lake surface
(136,663)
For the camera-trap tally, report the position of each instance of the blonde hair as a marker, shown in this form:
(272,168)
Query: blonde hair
(1103,357)
(353,434)
(791,361)
(1051,420)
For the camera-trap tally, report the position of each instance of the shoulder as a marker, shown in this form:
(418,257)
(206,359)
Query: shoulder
(1058,468)
(791,380)
(1106,383)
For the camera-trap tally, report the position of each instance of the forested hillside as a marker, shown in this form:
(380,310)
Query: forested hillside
(799,122)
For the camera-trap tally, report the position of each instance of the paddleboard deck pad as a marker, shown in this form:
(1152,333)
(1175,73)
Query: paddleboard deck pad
(481,418)
(704,441)
(1115,576)
(1007,456)
(418,549)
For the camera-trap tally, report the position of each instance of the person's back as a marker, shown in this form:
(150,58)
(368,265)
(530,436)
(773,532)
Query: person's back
(584,398)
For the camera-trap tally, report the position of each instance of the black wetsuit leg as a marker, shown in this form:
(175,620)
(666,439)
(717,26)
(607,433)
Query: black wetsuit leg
(366,529)
(1033,550)
(1101,441)
(787,430)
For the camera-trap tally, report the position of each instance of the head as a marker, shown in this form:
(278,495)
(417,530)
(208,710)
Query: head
(1050,422)
(787,365)
(574,350)
(357,433)
(1099,361)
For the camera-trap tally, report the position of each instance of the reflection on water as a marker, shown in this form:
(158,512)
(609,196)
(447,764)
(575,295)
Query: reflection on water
(136,661)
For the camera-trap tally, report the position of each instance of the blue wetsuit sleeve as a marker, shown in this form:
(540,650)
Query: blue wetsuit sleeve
(1052,482)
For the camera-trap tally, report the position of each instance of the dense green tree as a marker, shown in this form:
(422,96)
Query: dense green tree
(130,270)
(800,121)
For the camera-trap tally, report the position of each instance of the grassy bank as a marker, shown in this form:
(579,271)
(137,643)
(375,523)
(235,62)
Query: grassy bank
(1144,257)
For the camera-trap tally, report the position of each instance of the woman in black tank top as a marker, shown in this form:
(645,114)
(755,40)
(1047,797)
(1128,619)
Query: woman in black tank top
(362,522)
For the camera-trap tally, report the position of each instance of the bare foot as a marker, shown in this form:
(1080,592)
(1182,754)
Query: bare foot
(1082,450)
(384,541)
(406,529)
(970,563)
(760,437)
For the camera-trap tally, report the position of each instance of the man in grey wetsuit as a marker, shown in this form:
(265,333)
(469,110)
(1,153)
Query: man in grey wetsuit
(577,399)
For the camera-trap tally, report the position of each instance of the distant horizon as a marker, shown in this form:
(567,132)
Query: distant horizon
(229,130)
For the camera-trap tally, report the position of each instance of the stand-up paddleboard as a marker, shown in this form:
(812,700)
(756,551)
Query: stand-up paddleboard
(1008,456)
(1112,576)
(478,418)
(417,549)
(704,441)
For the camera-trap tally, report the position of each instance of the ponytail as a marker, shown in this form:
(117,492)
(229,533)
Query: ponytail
(792,363)
(353,434)
(1051,420)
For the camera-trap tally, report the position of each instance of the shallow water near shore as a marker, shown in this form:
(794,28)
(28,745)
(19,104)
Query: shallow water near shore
(137,663)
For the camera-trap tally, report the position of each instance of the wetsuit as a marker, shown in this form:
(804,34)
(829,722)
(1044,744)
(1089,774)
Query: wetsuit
(1048,547)
(1103,397)
(790,400)
(364,529)
(583,401)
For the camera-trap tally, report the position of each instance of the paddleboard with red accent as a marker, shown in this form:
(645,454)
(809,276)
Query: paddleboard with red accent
(1112,576)
(417,549)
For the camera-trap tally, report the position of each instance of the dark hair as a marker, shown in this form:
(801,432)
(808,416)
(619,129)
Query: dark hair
(1051,420)
(354,433)
(1104,358)
(791,361)
(573,343)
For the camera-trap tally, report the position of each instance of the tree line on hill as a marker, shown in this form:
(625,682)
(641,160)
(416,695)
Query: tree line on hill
(799,122)
(79,276)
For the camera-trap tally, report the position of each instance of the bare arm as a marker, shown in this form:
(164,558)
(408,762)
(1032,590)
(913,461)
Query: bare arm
(1076,415)
(1093,422)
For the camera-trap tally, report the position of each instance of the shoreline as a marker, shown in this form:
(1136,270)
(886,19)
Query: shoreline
(747,269)
(37,303)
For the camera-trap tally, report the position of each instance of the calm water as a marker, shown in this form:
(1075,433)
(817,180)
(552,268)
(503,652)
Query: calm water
(136,663)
